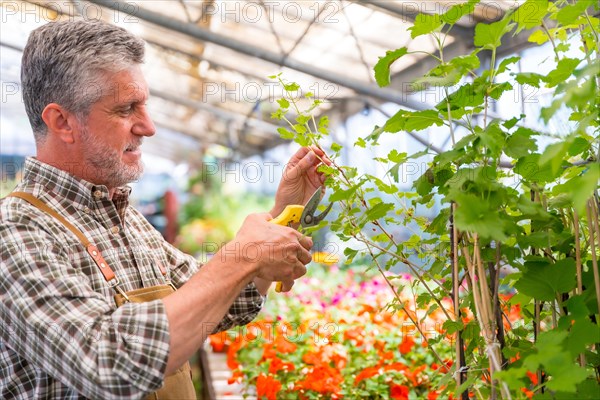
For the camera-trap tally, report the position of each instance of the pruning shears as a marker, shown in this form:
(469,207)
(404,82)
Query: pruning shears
(305,215)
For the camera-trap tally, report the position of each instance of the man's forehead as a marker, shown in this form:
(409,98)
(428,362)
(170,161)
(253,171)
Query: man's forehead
(125,86)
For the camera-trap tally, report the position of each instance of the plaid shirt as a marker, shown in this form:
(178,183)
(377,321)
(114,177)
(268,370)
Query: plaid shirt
(61,335)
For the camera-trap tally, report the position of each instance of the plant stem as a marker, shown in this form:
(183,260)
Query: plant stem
(592,227)
(461,377)
(577,252)
(412,320)
(412,267)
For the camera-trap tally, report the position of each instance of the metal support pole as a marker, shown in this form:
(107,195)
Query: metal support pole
(206,35)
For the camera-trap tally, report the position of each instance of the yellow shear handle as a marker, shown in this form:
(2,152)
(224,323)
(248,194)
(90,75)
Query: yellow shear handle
(289,216)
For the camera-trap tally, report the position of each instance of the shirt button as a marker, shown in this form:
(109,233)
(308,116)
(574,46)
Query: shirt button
(134,376)
(115,229)
(87,210)
(98,194)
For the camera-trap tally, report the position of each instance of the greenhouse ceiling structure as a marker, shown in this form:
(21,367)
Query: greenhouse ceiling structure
(208,62)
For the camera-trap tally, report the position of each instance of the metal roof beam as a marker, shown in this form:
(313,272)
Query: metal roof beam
(408,11)
(249,49)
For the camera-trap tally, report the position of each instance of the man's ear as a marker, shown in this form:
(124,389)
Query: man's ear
(60,122)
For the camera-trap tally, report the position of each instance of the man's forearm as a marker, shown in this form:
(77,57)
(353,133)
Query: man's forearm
(198,306)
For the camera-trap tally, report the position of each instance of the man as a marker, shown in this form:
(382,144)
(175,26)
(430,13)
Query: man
(61,333)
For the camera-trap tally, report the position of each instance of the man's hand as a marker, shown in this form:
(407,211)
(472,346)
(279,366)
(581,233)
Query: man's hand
(300,178)
(271,251)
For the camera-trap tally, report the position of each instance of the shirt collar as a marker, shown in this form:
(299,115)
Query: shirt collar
(79,192)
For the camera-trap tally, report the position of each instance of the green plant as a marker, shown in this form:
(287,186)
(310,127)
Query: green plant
(506,202)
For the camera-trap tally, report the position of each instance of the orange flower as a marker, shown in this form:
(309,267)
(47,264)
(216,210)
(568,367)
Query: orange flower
(532,377)
(284,346)
(267,386)
(399,392)
(278,365)
(219,342)
(527,392)
(322,379)
(366,374)
(407,344)
(414,375)
(433,395)
(355,334)
(311,358)
(397,366)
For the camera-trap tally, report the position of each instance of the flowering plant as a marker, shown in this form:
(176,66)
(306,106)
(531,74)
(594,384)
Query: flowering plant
(340,338)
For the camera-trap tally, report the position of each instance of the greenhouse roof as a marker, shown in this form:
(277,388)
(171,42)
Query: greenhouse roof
(208,62)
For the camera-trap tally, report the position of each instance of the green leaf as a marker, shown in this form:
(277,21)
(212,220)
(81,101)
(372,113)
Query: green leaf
(538,37)
(489,36)
(455,13)
(283,103)
(382,68)
(570,13)
(543,281)
(468,95)
(302,119)
(566,376)
(530,14)
(379,210)
(301,129)
(291,87)
(396,157)
(475,215)
(520,143)
(285,134)
(323,125)
(336,147)
(529,168)
(583,332)
(360,142)
(493,137)
(563,71)
(469,62)
(553,155)
(412,121)
(350,253)
(513,121)
(529,78)
(424,24)
(497,90)
(446,80)
(342,194)
(506,62)
(580,188)
(451,327)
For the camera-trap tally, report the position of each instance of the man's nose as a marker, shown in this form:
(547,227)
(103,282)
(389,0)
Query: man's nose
(144,125)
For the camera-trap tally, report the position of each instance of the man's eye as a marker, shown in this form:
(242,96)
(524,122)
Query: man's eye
(126,110)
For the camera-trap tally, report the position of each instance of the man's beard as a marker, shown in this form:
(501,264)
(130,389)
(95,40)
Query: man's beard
(110,170)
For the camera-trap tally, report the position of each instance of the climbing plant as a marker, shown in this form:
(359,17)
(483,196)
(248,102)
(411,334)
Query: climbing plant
(517,208)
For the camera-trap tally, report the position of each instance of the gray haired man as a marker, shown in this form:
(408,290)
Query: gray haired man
(93,302)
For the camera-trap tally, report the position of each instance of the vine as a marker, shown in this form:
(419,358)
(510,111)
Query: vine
(517,215)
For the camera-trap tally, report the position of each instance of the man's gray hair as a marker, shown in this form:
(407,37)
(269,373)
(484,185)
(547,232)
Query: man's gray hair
(64,63)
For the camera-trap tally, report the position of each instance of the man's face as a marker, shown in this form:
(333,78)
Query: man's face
(113,131)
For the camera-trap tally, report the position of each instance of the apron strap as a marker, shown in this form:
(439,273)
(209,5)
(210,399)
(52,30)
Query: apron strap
(105,269)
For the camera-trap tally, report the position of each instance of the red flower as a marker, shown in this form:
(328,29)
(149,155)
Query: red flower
(219,342)
(399,392)
(278,365)
(407,344)
(527,392)
(267,386)
(366,374)
(283,345)
(433,395)
(322,379)
(532,377)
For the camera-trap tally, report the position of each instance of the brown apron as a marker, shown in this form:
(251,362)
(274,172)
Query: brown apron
(178,385)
